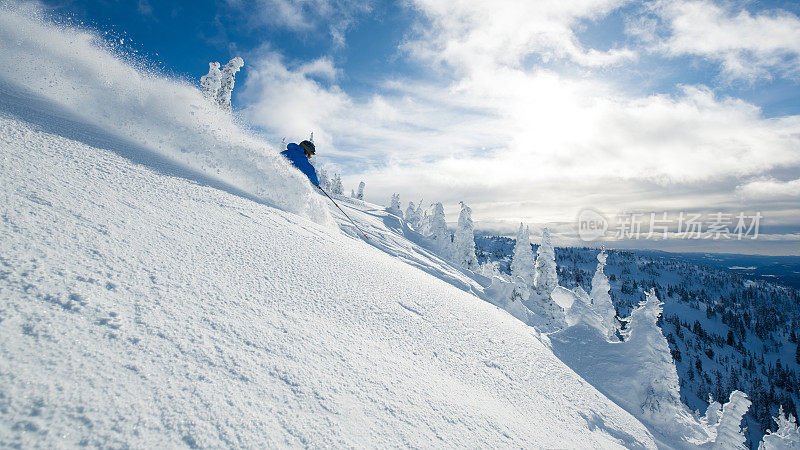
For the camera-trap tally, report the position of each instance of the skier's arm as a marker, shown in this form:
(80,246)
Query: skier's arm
(310,172)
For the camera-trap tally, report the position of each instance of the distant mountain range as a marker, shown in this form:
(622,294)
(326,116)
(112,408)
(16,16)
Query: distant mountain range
(779,269)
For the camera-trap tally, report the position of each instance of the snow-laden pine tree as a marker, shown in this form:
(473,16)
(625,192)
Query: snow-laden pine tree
(510,295)
(227,79)
(210,82)
(438,232)
(661,397)
(551,316)
(424,227)
(729,430)
(464,240)
(336,185)
(545,275)
(394,206)
(522,262)
(352,193)
(419,217)
(360,193)
(409,215)
(601,299)
(787,435)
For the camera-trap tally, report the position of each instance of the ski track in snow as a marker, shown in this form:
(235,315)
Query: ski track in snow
(147,310)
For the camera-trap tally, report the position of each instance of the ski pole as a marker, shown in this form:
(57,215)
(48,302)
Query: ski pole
(364,235)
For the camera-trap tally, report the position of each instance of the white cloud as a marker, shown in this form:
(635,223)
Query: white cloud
(321,68)
(770,189)
(747,46)
(470,34)
(288,102)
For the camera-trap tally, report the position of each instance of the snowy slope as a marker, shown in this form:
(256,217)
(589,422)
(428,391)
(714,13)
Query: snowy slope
(143,309)
(392,235)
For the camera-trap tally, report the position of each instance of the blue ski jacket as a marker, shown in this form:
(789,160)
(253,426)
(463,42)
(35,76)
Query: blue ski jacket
(294,153)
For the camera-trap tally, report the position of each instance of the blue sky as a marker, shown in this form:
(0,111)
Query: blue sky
(180,38)
(529,111)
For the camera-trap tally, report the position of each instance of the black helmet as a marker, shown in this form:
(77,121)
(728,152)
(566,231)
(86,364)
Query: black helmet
(308,147)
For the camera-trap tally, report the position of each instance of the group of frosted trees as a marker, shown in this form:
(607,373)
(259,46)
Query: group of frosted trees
(638,339)
(643,345)
(538,275)
(217,85)
(458,247)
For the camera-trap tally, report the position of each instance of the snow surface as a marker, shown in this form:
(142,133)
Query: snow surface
(146,309)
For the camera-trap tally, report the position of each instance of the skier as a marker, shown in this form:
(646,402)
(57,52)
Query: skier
(299,155)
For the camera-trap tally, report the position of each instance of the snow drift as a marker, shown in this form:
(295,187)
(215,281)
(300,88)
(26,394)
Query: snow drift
(78,73)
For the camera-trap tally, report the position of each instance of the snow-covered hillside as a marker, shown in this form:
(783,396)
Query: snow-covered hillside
(142,309)
(168,280)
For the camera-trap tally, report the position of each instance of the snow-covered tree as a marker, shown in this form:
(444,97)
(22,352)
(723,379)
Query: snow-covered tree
(211,82)
(336,185)
(409,215)
(787,435)
(545,276)
(729,430)
(522,262)
(550,316)
(394,206)
(419,217)
(601,299)
(352,193)
(545,280)
(661,395)
(360,194)
(424,227)
(438,232)
(228,76)
(464,240)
